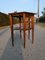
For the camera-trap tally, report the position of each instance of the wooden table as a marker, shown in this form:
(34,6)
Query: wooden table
(28,24)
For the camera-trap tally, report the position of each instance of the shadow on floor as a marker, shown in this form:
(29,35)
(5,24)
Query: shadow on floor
(13,53)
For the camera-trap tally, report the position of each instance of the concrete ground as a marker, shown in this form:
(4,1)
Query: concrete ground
(34,51)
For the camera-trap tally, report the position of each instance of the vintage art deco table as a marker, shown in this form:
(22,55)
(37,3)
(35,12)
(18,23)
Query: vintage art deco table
(28,24)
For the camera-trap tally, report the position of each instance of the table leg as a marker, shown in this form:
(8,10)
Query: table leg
(24,28)
(32,36)
(12,36)
(29,28)
(32,29)
(20,26)
(11,28)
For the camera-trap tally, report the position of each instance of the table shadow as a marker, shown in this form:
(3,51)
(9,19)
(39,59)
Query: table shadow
(13,53)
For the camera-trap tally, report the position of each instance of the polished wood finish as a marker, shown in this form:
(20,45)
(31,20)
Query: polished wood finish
(23,15)
(32,18)
(11,27)
(20,26)
(29,27)
(24,29)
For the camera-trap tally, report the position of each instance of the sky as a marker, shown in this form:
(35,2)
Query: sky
(8,6)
